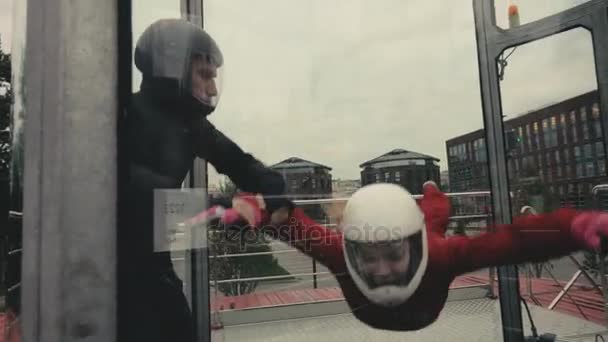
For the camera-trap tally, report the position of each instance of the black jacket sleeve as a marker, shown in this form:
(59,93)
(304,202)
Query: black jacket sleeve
(248,173)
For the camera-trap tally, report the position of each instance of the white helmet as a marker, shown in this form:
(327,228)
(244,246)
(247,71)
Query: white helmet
(385,243)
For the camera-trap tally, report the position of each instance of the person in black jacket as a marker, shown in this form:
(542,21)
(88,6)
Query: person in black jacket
(166,128)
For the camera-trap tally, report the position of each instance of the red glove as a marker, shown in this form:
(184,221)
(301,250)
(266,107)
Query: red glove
(250,207)
(589,227)
(245,206)
(216,212)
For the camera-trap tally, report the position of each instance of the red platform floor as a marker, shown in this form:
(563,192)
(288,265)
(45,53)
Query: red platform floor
(584,302)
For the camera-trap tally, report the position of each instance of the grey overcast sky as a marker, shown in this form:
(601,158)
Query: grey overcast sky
(6,22)
(342,81)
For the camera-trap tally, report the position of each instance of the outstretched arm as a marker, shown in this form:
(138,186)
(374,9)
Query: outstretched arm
(531,238)
(248,173)
(435,206)
(325,246)
(311,238)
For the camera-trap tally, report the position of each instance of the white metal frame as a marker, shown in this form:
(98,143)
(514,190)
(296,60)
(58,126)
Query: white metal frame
(68,277)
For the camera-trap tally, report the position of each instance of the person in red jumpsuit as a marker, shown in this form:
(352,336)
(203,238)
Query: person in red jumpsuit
(399,281)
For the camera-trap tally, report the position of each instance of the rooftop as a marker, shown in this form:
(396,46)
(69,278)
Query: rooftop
(295,162)
(398,154)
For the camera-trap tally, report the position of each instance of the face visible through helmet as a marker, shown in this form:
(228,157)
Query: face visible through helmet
(383,263)
(385,243)
(204,79)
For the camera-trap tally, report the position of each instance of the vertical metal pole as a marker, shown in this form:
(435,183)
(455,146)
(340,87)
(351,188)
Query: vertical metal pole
(192,10)
(507,275)
(314,270)
(602,272)
(600,48)
(69,254)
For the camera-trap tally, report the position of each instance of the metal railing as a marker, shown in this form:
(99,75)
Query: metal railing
(11,270)
(602,254)
(314,274)
(580,269)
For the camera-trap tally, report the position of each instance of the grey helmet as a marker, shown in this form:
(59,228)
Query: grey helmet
(164,54)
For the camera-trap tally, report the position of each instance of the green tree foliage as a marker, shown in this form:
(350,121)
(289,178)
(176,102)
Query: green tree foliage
(6,100)
(232,242)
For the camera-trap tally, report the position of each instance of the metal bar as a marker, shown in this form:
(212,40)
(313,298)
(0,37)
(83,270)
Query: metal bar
(602,271)
(345,199)
(14,287)
(314,271)
(580,310)
(15,251)
(564,290)
(226,281)
(457,217)
(603,247)
(585,273)
(485,20)
(548,26)
(66,242)
(15,214)
(597,188)
(198,279)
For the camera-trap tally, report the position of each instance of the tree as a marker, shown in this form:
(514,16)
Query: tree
(6,99)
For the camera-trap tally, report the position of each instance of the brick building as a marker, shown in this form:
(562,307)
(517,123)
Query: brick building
(558,149)
(305,179)
(407,168)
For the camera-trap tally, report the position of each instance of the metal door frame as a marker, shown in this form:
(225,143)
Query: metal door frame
(491,42)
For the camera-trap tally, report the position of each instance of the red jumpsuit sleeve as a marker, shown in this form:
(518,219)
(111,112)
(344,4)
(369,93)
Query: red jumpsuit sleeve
(532,238)
(435,206)
(313,239)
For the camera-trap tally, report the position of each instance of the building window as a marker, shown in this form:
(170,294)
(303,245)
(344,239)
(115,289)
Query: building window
(550,132)
(597,123)
(584,123)
(387,176)
(579,170)
(597,128)
(589,169)
(557,161)
(546,135)
(577,154)
(589,160)
(314,183)
(377,178)
(573,124)
(536,135)
(397,176)
(528,138)
(601,167)
(588,154)
(520,133)
(599,150)
(553,131)
(562,120)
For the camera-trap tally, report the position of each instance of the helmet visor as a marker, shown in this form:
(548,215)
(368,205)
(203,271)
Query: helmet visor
(206,79)
(387,263)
